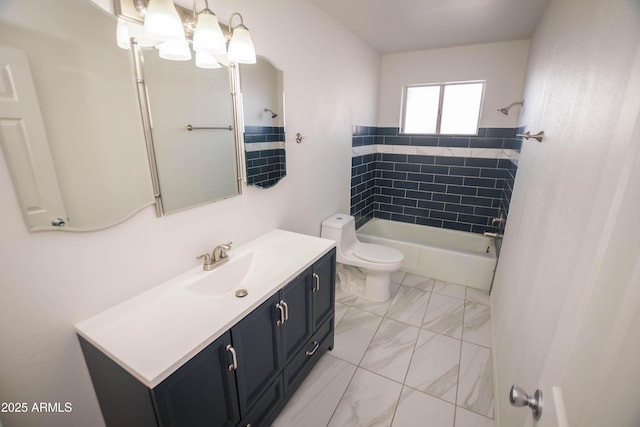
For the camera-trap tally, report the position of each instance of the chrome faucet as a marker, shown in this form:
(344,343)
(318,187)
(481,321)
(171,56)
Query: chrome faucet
(216,258)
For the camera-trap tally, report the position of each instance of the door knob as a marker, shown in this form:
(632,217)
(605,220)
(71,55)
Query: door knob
(518,397)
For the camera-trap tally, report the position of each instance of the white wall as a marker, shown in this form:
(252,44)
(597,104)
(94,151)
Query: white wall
(502,65)
(51,280)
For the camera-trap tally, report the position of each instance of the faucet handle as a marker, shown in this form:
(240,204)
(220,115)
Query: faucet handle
(224,248)
(207,258)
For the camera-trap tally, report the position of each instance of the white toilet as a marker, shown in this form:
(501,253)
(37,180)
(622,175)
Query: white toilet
(364,269)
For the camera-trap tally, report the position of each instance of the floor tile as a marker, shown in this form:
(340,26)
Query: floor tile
(475,388)
(343,297)
(476,295)
(353,334)
(397,276)
(466,418)
(377,307)
(418,409)
(409,305)
(434,366)
(341,310)
(390,351)
(370,400)
(444,315)
(449,289)
(314,402)
(477,327)
(418,282)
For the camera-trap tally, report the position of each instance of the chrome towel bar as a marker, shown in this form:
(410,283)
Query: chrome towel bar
(190,128)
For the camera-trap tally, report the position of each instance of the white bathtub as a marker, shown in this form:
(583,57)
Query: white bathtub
(454,256)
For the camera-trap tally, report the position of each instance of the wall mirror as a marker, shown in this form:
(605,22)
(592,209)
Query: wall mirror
(85,101)
(264,133)
(193,133)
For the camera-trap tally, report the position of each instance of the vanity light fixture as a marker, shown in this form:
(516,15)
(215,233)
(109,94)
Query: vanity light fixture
(170,27)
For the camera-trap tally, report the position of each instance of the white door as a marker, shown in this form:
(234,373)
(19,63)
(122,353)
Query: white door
(566,302)
(24,144)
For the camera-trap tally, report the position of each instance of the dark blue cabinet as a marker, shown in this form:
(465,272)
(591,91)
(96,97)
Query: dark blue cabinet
(244,377)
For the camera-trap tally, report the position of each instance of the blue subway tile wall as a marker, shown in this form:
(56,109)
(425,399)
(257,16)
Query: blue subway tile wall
(461,193)
(266,163)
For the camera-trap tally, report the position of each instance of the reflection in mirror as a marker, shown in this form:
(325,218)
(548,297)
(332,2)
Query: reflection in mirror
(195,166)
(87,101)
(263,110)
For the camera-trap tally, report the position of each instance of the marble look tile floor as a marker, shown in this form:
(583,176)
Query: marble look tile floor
(423,358)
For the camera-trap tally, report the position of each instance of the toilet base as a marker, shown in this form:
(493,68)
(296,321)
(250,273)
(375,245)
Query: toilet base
(372,286)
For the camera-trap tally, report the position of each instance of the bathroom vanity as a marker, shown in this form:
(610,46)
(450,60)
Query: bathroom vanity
(190,353)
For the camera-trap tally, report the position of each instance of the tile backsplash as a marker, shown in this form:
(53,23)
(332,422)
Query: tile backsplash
(456,182)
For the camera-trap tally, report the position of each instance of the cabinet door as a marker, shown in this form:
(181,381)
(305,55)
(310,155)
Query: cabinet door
(324,288)
(257,342)
(297,329)
(202,392)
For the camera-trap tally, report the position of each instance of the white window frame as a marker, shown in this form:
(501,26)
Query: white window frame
(440,102)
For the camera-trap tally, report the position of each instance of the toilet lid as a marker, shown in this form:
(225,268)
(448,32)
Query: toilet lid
(377,253)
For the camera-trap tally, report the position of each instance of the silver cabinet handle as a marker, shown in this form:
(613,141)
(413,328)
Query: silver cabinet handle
(538,136)
(316,283)
(519,398)
(286,310)
(234,359)
(315,348)
(280,308)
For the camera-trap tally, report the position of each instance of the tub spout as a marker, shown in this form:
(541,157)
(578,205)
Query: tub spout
(494,235)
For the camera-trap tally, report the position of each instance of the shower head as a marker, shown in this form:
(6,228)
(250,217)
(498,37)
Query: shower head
(505,110)
(269,110)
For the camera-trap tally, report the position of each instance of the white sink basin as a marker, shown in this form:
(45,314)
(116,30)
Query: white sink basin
(248,271)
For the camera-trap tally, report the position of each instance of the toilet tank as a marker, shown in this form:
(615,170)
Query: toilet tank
(342,229)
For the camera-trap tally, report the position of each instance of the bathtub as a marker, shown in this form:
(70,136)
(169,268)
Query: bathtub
(454,256)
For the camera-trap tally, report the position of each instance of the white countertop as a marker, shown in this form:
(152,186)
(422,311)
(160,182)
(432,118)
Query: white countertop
(156,332)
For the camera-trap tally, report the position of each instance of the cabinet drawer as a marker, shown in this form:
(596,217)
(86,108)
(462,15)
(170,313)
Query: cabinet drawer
(301,364)
(267,407)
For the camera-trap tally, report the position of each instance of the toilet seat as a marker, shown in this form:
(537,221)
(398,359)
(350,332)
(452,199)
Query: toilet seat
(377,253)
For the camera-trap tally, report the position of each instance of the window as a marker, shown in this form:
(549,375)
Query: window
(445,109)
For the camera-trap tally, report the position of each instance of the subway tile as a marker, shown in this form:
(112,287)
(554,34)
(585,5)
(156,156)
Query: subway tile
(421,195)
(388,131)
(462,190)
(421,159)
(407,167)
(431,222)
(456,226)
(473,219)
(451,161)
(449,198)
(480,182)
(394,175)
(427,204)
(420,177)
(387,157)
(408,185)
(446,141)
(482,211)
(387,166)
(477,201)
(489,192)
(464,171)
(446,179)
(440,170)
(424,141)
(501,132)
(390,208)
(392,192)
(416,212)
(380,182)
(492,173)
(436,188)
(454,207)
(443,215)
(383,199)
(483,163)
(403,218)
(486,143)
(399,201)
(482,132)
(397,140)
